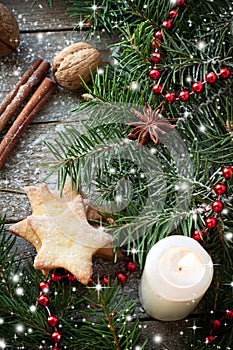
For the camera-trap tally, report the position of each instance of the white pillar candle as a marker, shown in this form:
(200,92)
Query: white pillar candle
(177,273)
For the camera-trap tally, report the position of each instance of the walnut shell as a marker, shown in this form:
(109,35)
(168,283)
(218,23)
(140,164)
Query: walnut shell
(75,63)
(9,32)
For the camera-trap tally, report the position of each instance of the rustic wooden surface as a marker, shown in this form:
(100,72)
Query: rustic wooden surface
(44,32)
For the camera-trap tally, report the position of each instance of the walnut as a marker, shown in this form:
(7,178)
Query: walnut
(74,63)
(9,32)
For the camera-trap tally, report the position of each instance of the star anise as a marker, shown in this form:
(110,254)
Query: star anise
(151,125)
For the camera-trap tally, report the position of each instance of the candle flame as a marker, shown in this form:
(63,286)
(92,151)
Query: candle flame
(186,261)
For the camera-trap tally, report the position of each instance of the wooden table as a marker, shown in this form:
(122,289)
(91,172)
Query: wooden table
(44,32)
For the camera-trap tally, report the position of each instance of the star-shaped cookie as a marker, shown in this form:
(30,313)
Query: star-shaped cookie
(60,232)
(68,240)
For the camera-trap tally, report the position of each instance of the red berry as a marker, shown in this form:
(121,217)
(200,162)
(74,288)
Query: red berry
(225,73)
(156,44)
(158,35)
(209,339)
(211,78)
(44,286)
(170,96)
(220,188)
(121,277)
(154,74)
(229,314)
(56,336)
(211,222)
(56,348)
(180,2)
(157,89)
(198,235)
(184,95)
(131,266)
(56,277)
(91,281)
(43,300)
(104,280)
(197,87)
(173,14)
(155,57)
(167,24)
(71,277)
(217,206)
(227,172)
(52,320)
(216,324)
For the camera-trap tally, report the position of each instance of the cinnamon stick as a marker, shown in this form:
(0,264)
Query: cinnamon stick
(9,97)
(34,105)
(23,92)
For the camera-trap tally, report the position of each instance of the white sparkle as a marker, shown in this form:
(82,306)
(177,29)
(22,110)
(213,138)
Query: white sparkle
(94,7)
(2,344)
(19,328)
(16,73)
(202,128)
(98,287)
(201,45)
(134,251)
(128,318)
(225,211)
(134,85)
(157,339)
(100,71)
(1,320)
(118,199)
(15,278)
(153,150)
(81,24)
(19,291)
(40,36)
(112,170)
(32,308)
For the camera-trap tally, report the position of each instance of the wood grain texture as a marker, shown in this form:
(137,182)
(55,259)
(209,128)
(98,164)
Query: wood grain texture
(40,16)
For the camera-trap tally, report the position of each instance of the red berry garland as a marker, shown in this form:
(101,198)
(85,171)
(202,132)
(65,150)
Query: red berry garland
(217,205)
(197,87)
(44,287)
(217,324)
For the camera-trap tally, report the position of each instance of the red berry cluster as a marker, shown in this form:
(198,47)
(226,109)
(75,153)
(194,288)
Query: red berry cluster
(121,276)
(43,300)
(217,205)
(216,325)
(154,73)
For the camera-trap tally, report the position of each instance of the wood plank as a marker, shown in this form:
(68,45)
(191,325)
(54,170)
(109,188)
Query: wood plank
(45,45)
(41,15)
(24,166)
